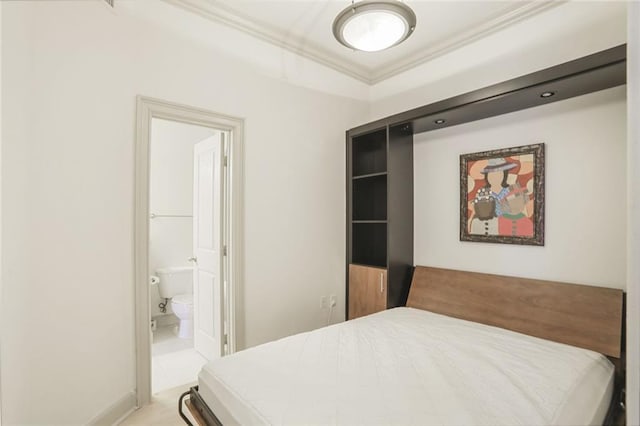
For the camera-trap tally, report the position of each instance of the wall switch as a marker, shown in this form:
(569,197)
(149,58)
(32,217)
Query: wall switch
(323,302)
(333,300)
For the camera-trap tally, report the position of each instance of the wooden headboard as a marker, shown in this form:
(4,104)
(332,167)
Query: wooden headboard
(579,315)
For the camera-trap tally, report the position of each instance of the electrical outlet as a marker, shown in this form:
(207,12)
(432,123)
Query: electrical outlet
(323,302)
(333,300)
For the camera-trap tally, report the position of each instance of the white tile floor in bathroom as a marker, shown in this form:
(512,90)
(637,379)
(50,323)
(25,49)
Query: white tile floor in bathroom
(174,360)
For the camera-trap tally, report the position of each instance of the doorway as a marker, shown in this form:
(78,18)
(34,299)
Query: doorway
(187,241)
(186,201)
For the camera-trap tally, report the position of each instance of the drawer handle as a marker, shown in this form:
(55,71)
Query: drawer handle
(381,282)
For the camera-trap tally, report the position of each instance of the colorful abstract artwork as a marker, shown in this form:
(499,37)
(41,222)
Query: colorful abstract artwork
(502,196)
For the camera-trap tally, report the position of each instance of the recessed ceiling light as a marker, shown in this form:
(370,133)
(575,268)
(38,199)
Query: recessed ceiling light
(547,94)
(440,121)
(371,26)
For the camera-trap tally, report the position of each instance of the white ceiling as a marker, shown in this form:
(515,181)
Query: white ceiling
(304,27)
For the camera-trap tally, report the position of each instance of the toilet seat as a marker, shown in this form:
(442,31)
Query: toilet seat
(184,299)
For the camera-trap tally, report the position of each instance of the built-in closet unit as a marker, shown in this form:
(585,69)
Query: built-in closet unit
(380,170)
(380,218)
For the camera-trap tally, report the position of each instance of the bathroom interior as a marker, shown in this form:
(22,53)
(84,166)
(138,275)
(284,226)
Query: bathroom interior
(175,361)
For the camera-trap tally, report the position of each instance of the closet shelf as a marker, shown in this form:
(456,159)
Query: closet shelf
(370,175)
(370,221)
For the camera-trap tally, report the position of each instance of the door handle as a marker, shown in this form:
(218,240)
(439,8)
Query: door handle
(193,259)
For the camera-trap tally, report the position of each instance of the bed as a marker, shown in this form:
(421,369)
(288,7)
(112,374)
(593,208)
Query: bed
(468,349)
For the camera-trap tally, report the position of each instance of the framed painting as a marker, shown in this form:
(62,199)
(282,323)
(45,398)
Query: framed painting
(502,196)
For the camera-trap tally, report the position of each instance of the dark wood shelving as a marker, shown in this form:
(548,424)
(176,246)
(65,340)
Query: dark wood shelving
(369,153)
(370,175)
(370,198)
(379,237)
(369,244)
(369,221)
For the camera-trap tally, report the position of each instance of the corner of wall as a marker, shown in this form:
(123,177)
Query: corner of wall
(633,212)
(1,310)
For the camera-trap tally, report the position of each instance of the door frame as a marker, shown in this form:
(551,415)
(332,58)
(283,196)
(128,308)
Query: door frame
(233,223)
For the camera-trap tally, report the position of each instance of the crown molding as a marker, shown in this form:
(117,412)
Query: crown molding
(512,16)
(216,12)
(222,14)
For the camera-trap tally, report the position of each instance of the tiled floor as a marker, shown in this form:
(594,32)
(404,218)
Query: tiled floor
(175,362)
(166,340)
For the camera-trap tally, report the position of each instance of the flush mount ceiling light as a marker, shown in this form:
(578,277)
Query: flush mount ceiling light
(371,26)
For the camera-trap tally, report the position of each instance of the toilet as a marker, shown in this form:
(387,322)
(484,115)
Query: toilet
(182,306)
(176,283)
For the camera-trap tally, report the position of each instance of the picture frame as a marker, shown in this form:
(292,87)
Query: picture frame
(502,196)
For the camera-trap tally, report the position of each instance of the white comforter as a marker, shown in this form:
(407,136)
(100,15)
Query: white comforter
(409,367)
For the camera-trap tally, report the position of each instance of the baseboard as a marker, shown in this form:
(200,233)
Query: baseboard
(116,412)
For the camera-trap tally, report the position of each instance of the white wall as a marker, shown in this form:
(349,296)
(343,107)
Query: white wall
(266,58)
(0,211)
(171,193)
(585,226)
(633,232)
(71,73)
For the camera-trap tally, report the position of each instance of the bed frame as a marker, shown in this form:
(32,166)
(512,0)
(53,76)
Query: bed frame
(199,409)
(579,315)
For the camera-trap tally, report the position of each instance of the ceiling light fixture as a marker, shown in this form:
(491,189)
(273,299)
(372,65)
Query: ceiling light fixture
(371,26)
(547,94)
(440,121)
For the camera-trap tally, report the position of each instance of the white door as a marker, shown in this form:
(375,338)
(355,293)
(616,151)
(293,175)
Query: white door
(208,246)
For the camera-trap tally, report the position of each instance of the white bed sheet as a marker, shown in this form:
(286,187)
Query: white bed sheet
(409,367)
